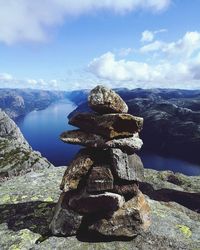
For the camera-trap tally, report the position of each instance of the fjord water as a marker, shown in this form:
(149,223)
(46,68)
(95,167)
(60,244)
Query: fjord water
(42,129)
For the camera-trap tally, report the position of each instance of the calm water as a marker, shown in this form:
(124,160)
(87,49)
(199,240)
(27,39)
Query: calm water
(42,130)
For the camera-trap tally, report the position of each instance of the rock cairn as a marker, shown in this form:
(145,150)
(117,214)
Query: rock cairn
(100,187)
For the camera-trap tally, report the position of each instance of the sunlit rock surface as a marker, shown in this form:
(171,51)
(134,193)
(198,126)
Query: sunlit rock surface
(27,203)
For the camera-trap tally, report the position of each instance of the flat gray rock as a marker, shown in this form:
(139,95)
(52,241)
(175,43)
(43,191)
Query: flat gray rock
(127,167)
(27,212)
(104,100)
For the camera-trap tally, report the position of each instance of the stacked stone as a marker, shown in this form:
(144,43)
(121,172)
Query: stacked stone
(100,187)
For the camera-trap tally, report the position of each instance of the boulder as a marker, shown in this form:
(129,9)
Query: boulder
(127,167)
(130,220)
(100,179)
(129,144)
(104,100)
(65,221)
(77,169)
(108,125)
(92,203)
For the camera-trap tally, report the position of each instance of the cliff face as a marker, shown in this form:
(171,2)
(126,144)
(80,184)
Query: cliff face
(16,155)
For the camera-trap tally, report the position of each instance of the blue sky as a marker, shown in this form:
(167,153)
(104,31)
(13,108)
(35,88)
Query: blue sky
(65,44)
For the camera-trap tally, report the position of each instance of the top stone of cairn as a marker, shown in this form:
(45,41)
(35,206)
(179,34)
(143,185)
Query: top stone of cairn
(104,100)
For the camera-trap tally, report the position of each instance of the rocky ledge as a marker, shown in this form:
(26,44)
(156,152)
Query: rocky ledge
(27,204)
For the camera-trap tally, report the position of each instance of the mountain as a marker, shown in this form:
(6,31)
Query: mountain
(171,116)
(16,155)
(171,119)
(19,102)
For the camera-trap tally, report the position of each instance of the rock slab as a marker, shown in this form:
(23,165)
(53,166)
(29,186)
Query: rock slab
(127,167)
(129,144)
(77,169)
(108,125)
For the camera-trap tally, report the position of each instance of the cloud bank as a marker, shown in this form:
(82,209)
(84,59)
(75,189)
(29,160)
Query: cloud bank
(30,20)
(173,64)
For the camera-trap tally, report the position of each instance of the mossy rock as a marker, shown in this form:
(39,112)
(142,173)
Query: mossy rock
(26,207)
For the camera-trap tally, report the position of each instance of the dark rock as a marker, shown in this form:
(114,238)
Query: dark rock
(100,179)
(65,221)
(104,100)
(130,144)
(92,203)
(127,190)
(108,125)
(130,220)
(77,169)
(127,167)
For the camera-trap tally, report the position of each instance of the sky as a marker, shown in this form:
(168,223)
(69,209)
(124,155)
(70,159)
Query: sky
(77,44)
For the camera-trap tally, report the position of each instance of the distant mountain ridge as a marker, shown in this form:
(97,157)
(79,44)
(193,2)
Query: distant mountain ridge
(171,119)
(19,102)
(171,116)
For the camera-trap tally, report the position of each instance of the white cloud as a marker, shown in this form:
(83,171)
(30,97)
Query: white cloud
(5,77)
(125,52)
(31,82)
(107,67)
(148,36)
(181,69)
(8,81)
(185,46)
(28,20)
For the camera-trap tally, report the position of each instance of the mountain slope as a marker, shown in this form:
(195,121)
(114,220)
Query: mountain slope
(16,156)
(171,120)
(19,102)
